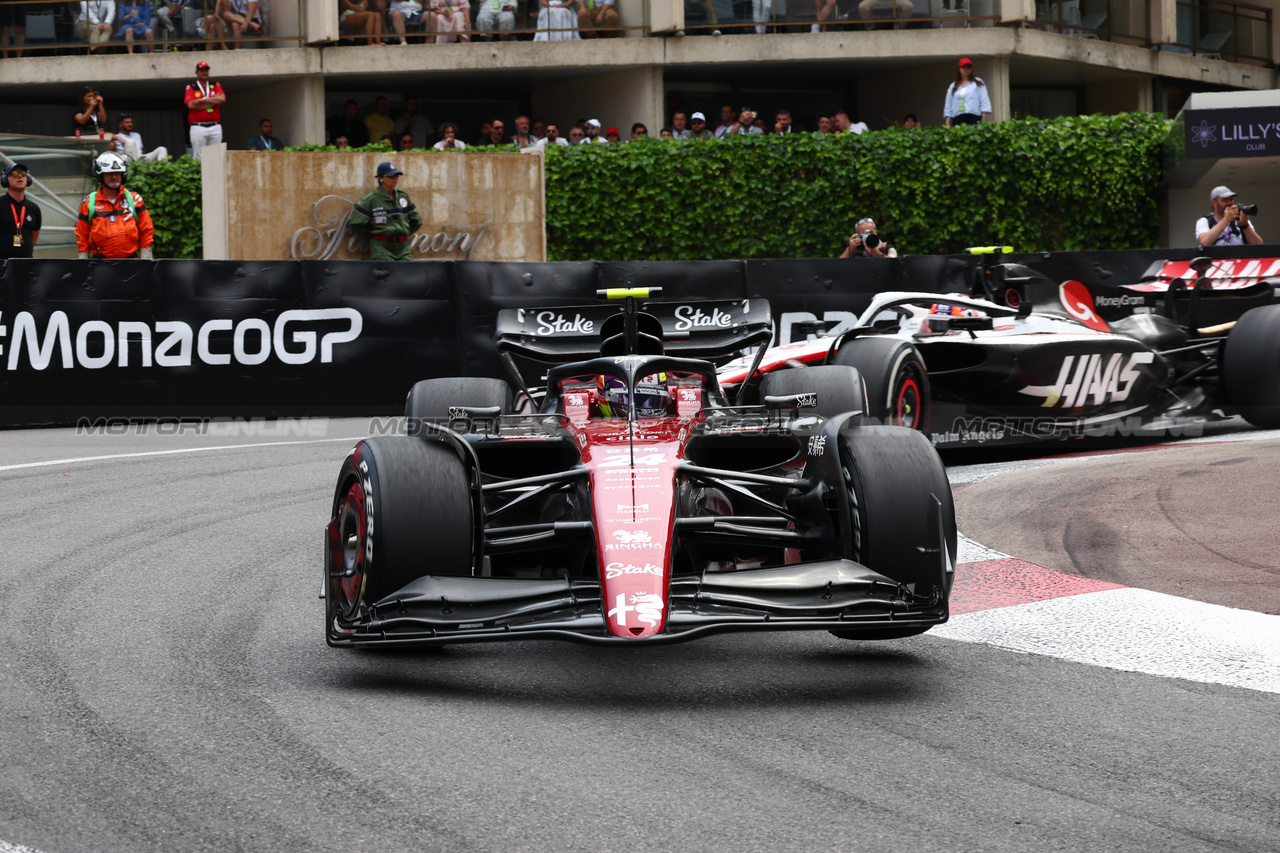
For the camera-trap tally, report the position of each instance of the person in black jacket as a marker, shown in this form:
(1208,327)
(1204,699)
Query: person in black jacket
(350,125)
(19,215)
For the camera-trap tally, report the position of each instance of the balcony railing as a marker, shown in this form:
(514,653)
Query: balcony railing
(745,16)
(1124,21)
(1224,30)
(55,27)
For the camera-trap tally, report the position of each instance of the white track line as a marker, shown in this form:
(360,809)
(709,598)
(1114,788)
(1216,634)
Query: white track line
(6,847)
(76,459)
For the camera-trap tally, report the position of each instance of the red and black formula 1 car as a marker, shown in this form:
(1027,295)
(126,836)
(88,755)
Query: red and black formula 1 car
(632,502)
(1064,361)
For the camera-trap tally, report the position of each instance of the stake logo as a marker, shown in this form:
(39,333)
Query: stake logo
(172,343)
(617,570)
(551,323)
(1085,380)
(688,317)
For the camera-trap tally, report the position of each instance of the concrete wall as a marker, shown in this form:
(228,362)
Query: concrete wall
(618,99)
(260,206)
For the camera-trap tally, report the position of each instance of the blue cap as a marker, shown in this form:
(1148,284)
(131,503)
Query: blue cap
(386,170)
(22,166)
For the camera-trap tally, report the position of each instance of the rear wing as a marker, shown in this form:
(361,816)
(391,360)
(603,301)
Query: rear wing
(708,330)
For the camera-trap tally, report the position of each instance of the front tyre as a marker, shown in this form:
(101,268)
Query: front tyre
(402,509)
(894,476)
(895,378)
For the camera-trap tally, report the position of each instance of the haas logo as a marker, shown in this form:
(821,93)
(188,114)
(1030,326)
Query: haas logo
(1078,301)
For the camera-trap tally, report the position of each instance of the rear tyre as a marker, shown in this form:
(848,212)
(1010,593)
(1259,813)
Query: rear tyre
(894,474)
(839,388)
(1251,366)
(895,378)
(431,399)
(402,509)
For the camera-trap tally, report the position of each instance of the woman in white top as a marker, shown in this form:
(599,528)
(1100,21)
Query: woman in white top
(556,21)
(449,131)
(967,99)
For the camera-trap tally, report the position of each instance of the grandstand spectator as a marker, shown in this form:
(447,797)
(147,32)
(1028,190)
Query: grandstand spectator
(496,16)
(709,12)
(598,18)
(91,118)
(13,19)
(264,141)
(825,126)
(746,123)
(341,143)
(576,136)
(539,129)
(553,136)
(665,133)
(378,123)
(557,21)
(129,141)
(94,24)
(592,130)
(698,125)
(349,125)
(164,14)
(210,27)
(726,120)
(406,12)
(495,138)
(413,122)
(522,138)
(762,14)
(639,131)
(967,100)
(911,121)
(449,140)
(450,21)
(900,10)
(359,18)
(241,18)
(404,142)
(612,135)
(843,124)
(679,126)
(824,10)
(134,20)
(782,123)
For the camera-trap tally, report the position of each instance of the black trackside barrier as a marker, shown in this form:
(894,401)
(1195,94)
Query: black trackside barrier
(120,340)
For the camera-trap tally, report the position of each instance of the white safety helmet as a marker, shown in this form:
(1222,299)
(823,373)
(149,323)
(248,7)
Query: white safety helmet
(109,161)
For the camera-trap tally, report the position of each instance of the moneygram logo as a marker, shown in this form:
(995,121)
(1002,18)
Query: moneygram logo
(296,337)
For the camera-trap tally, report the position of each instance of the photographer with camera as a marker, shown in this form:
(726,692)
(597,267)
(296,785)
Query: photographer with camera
(745,123)
(864,242)
(1229,223)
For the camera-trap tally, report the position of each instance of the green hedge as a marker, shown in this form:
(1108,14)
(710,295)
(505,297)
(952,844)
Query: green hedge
(1090,182)
(1087,182)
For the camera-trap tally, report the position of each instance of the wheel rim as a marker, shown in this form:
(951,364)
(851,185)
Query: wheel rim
(907,410)
(350,548)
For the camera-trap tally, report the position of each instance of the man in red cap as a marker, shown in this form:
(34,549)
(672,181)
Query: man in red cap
(612,135)
(204,110)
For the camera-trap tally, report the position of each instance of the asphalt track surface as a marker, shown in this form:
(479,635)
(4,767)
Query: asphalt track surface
(165,686)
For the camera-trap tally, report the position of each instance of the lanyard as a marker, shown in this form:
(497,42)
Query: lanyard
(19,213)
(204,89)
(266,143)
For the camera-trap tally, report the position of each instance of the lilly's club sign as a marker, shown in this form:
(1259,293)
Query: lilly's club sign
(1245,132)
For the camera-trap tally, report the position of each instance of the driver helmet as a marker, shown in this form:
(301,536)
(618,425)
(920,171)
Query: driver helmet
(652,396)
(109,161)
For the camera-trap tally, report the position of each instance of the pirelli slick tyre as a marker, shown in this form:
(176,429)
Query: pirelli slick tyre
(402,509)
(894,476)
(839,388)
(895,378)
(431,399)
(1251,366)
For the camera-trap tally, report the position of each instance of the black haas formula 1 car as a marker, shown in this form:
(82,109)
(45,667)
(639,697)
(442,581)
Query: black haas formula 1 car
(1064,361)
(635,503)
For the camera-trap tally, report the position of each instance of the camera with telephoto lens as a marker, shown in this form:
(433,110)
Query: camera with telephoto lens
(1248,209)
(871,240)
